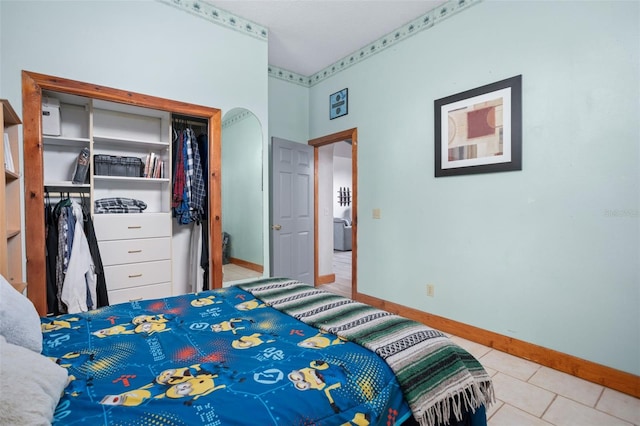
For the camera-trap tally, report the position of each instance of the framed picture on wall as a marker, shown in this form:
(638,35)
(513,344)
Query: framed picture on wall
(339,104)
(479,130)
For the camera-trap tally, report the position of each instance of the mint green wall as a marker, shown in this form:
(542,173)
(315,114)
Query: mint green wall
(142,46)
(550,254)
(288,111)
(242,196)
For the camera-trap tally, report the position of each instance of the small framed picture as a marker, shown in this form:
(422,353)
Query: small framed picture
(339,104)
(480,130)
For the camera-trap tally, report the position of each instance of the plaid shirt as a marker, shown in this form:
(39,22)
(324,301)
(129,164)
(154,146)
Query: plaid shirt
(198,192)
(119,205)
(190,207)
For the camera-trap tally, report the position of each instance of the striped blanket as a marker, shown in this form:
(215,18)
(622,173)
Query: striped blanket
(438,378)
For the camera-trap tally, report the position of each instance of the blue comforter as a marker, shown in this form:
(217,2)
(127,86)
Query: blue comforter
(216,358)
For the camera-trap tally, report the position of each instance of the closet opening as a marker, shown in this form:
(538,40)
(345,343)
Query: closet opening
(190,199)
(116,126)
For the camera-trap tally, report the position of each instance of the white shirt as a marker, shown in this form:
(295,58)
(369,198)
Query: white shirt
(80,271)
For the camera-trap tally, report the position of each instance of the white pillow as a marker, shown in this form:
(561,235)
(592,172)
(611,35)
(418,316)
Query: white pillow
(31,386)
(19,320)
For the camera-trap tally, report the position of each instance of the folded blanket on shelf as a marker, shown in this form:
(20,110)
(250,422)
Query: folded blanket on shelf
(437,376)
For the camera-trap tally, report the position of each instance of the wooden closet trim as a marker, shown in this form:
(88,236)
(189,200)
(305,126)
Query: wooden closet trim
(32,86)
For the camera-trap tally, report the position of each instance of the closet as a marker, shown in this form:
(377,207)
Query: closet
(123,135)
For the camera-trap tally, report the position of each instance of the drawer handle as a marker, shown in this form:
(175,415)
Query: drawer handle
(134,227)
(135,300)
(135,275)
(135,251)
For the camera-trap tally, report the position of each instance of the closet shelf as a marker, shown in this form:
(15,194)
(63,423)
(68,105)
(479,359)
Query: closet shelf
(66,186)
(65,141)
(9,176)
(128,142)
(129,179)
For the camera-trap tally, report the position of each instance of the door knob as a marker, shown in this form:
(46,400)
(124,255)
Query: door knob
(276,227)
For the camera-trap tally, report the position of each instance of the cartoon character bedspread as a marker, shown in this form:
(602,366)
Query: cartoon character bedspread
(217,358)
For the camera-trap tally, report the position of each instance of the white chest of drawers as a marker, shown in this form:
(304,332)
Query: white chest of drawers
(136,254)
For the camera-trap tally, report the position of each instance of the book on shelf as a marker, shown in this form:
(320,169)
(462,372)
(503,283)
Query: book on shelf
(157,169)
(81,167)
(148,164)
(8,157)
(153,166)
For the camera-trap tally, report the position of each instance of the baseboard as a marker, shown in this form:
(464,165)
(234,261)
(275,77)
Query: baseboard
(606,376)
(245,264)
(326,279)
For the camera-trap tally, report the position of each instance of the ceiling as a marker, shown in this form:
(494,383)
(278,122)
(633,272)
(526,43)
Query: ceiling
(306,36)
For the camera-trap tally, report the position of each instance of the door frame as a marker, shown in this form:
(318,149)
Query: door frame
(352,135)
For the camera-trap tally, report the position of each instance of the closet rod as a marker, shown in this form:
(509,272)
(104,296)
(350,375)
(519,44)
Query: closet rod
(69,195)
(195,121)
(65,190)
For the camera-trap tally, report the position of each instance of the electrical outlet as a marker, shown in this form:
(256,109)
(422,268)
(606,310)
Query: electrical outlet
(430,290)
(376,213)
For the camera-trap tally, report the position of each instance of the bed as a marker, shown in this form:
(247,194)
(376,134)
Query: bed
(268,352)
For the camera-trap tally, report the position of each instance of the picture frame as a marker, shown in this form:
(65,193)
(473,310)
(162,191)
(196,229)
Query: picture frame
(479,130)
(339,104)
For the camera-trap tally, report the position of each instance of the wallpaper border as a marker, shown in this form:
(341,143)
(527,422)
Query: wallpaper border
(426,21)
(419,24)
(222,17)
(236,118)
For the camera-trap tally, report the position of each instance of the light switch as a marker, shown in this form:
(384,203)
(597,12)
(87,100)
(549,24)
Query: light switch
(376,213)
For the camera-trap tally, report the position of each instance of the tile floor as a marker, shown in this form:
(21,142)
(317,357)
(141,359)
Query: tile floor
(528,394)
(232,272)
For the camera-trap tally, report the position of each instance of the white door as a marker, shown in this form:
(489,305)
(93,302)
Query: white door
(292,210)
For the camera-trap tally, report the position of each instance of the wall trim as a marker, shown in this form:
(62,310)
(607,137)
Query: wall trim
(326,279)
(606,376)
(236,118)
(426,21)
(214,14)
(245,264)
(219,16)
(290,76)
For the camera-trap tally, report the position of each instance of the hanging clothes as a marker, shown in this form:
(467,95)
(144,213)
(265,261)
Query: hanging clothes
(189,199)
(203,147)
(204,256)
(63,234)
(51,250)
(63,223)
(92,240)
(178,177)
(198,193)
(188,204)
(195,272)
(79,285)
